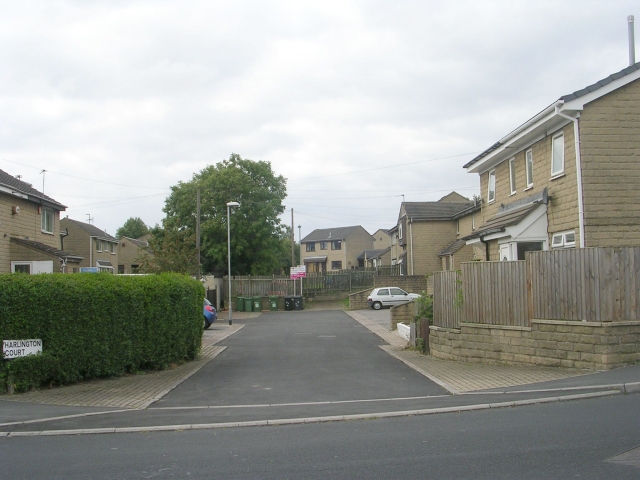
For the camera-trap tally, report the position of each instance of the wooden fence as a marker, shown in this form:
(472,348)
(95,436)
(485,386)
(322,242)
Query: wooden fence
(589,284)
(592,284)
(447,299)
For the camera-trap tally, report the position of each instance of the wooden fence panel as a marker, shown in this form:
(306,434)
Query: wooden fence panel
(495,293)
(447,310)
(591,284)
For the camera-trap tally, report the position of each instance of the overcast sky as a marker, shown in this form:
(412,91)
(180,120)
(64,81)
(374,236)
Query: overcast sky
(356,103)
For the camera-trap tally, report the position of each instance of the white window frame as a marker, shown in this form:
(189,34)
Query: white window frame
(98,245)
(563,239)
(400,231)
(112,248)
(47,213)
(528,166)
(491,186)
(560,171)
(512,175)
(473,221)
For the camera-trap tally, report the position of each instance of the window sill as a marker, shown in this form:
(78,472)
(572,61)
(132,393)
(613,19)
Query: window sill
(512,194)
(46,233)
(528,188)
(557,176)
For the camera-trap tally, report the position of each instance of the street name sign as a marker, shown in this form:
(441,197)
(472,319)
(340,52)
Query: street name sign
(20,348)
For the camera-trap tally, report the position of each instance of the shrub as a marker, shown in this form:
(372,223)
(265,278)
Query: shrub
(98,325)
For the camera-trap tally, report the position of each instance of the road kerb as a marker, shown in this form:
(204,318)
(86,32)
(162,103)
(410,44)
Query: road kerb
(332,418)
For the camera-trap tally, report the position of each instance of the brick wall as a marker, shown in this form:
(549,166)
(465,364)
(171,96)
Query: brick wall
(610,152)
(585,345)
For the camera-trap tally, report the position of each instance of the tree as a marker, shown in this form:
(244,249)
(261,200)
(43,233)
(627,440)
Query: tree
(255,225)
(132,228)
(173,251)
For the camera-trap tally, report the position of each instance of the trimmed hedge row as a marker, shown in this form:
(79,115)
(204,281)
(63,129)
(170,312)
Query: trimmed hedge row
(98,325)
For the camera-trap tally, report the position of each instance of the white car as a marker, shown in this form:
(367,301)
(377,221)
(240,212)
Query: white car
(388,297)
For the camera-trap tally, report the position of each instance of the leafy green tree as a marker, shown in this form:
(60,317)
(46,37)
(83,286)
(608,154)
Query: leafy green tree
(256,230)
(173,251)
(132,228)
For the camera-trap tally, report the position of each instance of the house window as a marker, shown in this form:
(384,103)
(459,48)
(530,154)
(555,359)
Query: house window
(311,247)
(563,240)
(400,231)
(512,175)
(336,265)
(557,155)
(98,245)
(336,245)
(112,248)
(47,220)
(491,194)
(529,168)
(22,268)
(120,269)
(134,268)
(458,226)
(323,245)
(473,222)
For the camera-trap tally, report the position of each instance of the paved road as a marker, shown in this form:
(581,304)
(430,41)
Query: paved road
(586,439)
(318,357)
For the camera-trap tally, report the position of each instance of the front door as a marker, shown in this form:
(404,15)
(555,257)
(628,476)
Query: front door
(505,252)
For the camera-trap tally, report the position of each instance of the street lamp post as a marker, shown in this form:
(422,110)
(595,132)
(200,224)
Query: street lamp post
(229,205)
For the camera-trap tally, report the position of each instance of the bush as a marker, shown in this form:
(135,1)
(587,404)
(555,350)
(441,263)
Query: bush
(425,307)
(98,325)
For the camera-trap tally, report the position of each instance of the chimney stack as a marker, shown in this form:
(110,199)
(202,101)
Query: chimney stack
(632,42)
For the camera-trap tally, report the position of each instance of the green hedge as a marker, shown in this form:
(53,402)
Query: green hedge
(98,325)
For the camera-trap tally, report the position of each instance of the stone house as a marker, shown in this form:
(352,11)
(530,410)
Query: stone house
(130,253)
(333,249)
(375,258)
(98,248)
(568,177)
(30,235)
(424,239)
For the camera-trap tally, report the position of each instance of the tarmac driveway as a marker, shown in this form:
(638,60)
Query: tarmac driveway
(298,357)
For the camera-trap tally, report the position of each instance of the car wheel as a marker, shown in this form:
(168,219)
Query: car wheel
(377,305)
(206,324)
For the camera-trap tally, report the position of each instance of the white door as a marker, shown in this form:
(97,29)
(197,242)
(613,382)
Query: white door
(505,252)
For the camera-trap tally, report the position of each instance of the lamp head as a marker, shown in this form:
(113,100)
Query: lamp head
(233,204)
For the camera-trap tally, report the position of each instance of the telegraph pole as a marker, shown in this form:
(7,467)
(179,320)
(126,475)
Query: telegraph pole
(293,242)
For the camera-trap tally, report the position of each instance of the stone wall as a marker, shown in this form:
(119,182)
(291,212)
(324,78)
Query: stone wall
(585,345)
(358,300)
(409,283)
(404,313)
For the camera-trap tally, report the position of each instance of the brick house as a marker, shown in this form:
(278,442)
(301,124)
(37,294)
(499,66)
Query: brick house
(338,248)
(30,236)
(130,253)
(568,177)
(99,249)
(426,233)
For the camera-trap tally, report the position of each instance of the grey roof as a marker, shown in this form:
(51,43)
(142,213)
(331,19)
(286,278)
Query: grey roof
(499,222)
(19,186)
(92,230)
(601,83)
(373,253)
(136,242)
(452,248)
(339,233)
(315,259)
(49,250)
(435,210)
(566,98)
